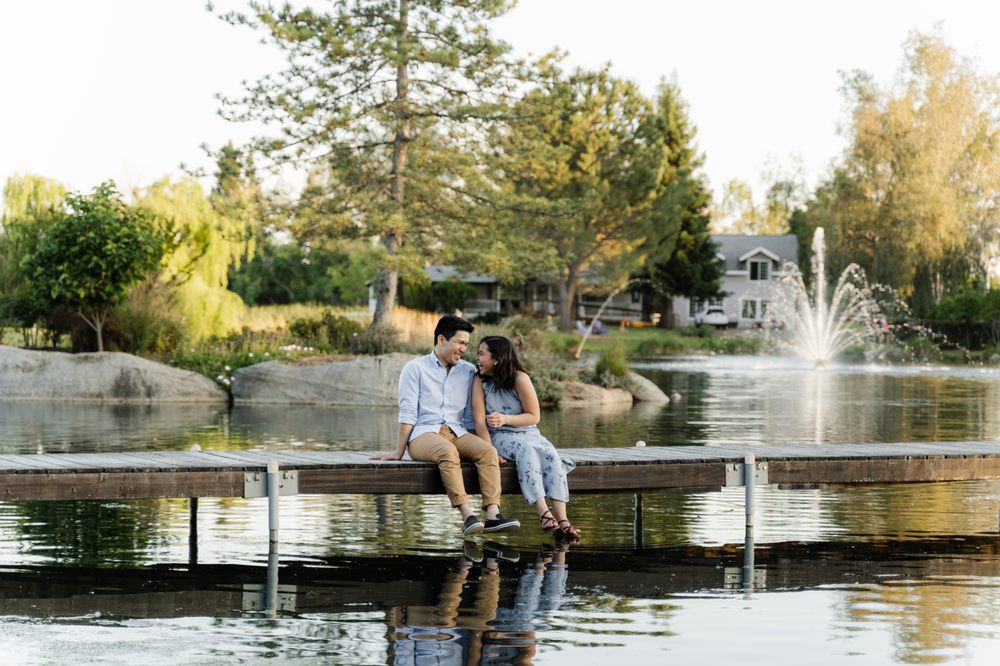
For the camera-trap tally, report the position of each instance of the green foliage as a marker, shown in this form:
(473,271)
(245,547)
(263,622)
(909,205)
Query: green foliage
(196,273)
(913,200)
(144,322)
(322,272)
(612,365)
(446,296)
(684,261)
(31,205)
(330,331)
(547,372)
(380,95)
(580,168)
(89,258)
(376,340)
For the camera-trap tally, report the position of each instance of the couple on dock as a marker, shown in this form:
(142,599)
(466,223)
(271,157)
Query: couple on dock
(443,400)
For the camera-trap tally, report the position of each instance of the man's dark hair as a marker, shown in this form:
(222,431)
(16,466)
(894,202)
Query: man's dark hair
(448,325)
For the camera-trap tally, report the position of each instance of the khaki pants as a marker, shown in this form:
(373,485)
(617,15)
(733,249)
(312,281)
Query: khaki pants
(448,451)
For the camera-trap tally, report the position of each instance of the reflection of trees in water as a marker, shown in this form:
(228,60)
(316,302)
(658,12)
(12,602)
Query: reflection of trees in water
(930,623)
(53,427)
(89,533)
(930,619)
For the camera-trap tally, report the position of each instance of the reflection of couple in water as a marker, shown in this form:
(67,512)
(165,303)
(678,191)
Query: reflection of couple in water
(482,631)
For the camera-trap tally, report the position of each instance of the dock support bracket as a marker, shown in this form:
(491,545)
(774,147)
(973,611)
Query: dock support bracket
(736,472)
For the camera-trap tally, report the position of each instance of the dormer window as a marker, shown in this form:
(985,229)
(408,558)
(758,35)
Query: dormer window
(760,269)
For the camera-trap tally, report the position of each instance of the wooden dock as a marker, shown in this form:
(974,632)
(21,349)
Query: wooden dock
(193,474)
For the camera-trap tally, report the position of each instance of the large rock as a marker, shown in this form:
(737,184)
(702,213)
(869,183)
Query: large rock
(578,393)
(367,380)
(101,377)
(643,389)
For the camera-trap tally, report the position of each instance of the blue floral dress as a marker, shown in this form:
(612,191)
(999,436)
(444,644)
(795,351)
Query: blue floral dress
(540,470)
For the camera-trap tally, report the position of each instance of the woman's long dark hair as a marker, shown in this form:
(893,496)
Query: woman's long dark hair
(505,362)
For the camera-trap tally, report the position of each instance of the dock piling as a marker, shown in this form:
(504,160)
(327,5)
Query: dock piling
(273,488)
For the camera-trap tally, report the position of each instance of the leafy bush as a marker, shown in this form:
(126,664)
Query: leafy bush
(144,323)
(332,331)
(547,371)
(612,366)
(375,341)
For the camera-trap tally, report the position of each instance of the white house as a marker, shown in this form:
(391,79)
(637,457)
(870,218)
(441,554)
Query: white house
(755,291)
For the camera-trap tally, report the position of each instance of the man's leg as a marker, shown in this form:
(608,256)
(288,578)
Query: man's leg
(440,449)
(470,447)
(432,447)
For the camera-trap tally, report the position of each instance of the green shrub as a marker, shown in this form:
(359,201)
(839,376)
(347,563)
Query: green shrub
(331,331)
(375,341)
(612,366)
(145,323)
(547,371)
(524,325)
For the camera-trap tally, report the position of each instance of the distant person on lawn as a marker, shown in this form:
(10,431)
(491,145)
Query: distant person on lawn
(434,422)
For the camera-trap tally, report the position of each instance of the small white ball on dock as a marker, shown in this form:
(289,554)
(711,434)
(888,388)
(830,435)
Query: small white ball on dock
(675,396)
(640,443)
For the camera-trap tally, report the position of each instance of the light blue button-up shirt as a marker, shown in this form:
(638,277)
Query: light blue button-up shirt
(431,396)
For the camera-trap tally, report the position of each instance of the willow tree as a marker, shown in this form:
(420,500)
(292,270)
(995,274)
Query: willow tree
(31,204)
(373,100)
(195,273)
(915,196)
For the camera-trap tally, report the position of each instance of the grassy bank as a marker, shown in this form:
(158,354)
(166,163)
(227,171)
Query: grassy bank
(658,342)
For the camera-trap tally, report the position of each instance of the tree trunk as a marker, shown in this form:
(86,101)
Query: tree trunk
(567,299)
(388,280)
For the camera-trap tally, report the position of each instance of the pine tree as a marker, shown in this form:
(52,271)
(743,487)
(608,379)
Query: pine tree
(684,261)
(374,100)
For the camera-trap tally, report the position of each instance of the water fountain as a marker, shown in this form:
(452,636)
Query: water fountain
(822,330)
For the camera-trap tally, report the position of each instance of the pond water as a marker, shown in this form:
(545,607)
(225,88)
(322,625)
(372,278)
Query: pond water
(901,574)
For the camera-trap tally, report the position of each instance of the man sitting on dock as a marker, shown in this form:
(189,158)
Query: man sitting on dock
(434,422)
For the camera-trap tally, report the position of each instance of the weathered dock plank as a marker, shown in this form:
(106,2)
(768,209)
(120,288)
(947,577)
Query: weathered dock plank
(154,474)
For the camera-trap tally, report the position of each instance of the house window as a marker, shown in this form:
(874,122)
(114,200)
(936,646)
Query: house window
(696,305)
(637,296)
(760,270)
(748,310)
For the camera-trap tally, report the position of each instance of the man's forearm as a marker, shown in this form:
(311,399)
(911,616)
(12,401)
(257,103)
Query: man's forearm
(404,436)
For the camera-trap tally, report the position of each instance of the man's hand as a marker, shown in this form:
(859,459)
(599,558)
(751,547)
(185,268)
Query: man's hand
(387,456)
(503,461)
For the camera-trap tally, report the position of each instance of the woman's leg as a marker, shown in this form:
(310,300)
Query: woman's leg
(529,474)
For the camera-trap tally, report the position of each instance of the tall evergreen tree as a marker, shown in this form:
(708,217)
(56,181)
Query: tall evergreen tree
(375,95)
(684,262)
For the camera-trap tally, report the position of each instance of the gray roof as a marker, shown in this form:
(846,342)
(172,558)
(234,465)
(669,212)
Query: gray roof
(445,273)
(785,247)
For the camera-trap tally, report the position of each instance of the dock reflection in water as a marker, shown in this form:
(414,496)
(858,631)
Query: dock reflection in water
(519,606)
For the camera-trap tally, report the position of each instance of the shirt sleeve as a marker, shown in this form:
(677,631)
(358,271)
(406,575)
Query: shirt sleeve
(409,390)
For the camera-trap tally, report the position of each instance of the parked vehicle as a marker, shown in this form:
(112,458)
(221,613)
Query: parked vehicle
(713,315)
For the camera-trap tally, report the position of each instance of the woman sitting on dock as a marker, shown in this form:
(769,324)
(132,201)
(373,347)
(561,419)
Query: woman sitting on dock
(506,412)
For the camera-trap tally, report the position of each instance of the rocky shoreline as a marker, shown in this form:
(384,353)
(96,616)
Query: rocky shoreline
(361,381)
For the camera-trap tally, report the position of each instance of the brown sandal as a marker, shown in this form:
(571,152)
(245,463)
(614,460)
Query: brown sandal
(568,530)
(548,522)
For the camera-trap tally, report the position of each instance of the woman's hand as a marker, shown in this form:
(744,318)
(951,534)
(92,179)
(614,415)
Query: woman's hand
(503,461)
(495,420)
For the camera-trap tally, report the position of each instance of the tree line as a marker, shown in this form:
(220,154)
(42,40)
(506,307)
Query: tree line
(425,140)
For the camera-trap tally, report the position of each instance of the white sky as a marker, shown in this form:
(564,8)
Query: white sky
(124,89)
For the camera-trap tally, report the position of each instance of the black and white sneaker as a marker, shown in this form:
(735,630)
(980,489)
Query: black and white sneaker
(500,524)
(472,526)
